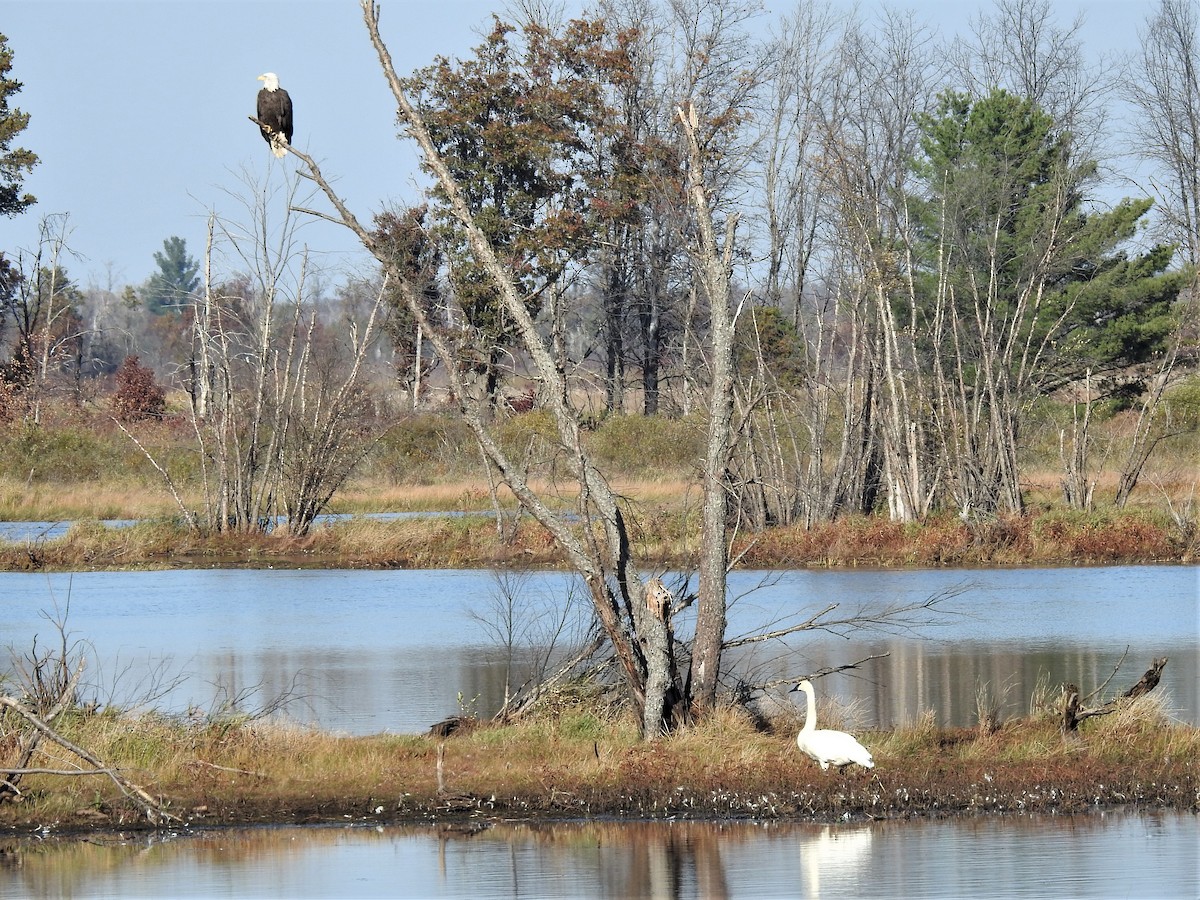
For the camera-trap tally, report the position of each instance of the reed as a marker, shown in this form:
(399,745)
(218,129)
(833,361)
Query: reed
(45,502)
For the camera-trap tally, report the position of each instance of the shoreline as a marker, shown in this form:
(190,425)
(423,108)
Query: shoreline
(579,765)
(1051,538)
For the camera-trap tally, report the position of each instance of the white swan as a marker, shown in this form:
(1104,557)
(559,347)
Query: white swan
(829,748)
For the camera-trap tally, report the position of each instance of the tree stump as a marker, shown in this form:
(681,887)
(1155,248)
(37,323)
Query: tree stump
(1149,681)
(1072,714)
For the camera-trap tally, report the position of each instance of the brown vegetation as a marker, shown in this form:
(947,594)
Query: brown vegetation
(79,466)
(663,539)
(581,760)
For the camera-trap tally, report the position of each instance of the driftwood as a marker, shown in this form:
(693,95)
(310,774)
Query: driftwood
(1073,711)
(1149,681)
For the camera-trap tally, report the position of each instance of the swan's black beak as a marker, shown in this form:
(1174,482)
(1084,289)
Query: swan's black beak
(793,688)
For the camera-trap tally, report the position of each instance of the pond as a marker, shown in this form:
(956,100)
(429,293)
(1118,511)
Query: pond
(373,651)
(1117,853)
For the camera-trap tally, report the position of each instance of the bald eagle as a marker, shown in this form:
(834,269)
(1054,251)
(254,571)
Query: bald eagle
(274,114)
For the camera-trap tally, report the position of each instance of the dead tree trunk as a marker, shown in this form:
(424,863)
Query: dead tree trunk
(598,546)
(1074,712)
(657,639)
(713,266)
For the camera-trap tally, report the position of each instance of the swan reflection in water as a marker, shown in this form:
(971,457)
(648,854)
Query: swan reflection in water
(832,860)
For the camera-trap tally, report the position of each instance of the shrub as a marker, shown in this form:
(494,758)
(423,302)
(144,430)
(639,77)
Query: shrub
(423,448)
(40,454)
(643,445)
(139,396)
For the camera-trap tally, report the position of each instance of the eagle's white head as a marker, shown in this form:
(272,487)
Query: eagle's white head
(270,81)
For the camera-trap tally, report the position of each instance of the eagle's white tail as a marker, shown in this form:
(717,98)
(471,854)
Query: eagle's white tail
(279,145)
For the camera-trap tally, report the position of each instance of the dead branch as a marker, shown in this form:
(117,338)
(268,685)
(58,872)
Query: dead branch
(812,622)
(822,672)
(36,771)
(1149,681)
(201,762)
(519,705)
(154,813)
(30,741)
(188,516)
(1111,675)
(898,617)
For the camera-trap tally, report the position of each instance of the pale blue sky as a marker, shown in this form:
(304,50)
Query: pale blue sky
(139,108)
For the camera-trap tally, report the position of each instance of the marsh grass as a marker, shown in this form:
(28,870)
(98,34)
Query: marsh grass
(1049,537)
(661,536)
(69,501)
(585,757)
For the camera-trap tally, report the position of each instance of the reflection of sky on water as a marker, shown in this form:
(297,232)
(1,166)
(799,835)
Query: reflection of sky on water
(370,651)
(1099,855)
(20,532)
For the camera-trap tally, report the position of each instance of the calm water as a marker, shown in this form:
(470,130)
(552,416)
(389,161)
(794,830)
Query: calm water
(1114,854)
(394,651)
(366,652)
(32,532)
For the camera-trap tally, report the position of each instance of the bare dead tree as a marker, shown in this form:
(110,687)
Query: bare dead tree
(152,809)
(714,261)
(49,679)
(531,634)
(808,446)
(1074,452)
(788,151)
(600,548)
(1156,420)
(1019,45)
(1163,84)
(278,419)
(884,82)
(41,307)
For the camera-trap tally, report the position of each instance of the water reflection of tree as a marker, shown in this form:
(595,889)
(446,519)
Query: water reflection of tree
(952,680)
(602,859)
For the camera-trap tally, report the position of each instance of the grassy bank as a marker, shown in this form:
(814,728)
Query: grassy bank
(78,466)
(581,760)
(662,537)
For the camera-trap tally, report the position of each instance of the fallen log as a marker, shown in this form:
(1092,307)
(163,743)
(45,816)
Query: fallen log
(27,743)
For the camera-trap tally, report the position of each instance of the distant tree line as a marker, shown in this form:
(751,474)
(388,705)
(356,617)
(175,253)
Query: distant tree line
(928,242)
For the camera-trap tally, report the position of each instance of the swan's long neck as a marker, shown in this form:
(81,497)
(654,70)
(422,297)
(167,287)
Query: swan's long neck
(810,722)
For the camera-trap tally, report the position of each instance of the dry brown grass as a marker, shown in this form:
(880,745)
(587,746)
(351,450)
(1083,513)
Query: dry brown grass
(21,502)
(467,494)
(662,535)
(586,759)
(1054,537)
